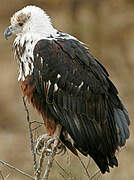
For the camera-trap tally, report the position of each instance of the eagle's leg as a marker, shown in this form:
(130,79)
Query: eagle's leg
(48,143)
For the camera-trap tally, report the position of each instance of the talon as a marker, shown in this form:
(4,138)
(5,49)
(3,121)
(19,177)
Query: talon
(47,143)
(62,149)
(41,142)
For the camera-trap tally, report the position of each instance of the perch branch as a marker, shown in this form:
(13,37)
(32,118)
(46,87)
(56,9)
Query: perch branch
(31,138)
(39,170)
(50,161)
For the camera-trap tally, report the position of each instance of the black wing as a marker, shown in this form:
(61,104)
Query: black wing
(82,98)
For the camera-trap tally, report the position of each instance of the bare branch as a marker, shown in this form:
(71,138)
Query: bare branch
(16,169)
(86,169)
(36,127)
(89,161)
(50,161)
(62,168)
(31,137)
(95,174)
(49,166)
(88,175)
(1,175)
(7,177)
(38,122)
(62,176)
(39,170)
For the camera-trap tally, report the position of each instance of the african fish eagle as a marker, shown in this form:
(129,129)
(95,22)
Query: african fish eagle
(69,88)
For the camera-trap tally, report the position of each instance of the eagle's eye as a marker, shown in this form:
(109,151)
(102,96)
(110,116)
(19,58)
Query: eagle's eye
(20,24)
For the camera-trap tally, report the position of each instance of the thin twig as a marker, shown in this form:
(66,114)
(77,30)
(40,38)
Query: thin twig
(50,162)
(62,176)
(62,168)
(97,172)
(89,162)
(48,167)
(31,138)
(1,175)
(38,122)
(84,167)
(7,177)
(16,169)
(36,127)
(39,170)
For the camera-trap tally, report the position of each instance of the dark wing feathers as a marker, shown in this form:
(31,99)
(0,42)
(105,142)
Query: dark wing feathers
(82,98)
(122,125)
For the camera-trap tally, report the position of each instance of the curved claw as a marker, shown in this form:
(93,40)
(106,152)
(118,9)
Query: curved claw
(62,149)
(41,142)
(46,143)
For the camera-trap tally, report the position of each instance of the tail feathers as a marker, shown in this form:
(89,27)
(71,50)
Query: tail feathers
(113,162)
(102,163)
(122,121)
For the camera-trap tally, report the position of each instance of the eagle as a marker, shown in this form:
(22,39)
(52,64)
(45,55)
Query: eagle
(69,87)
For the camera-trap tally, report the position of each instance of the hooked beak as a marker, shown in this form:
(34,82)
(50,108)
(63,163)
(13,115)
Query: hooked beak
(8,32)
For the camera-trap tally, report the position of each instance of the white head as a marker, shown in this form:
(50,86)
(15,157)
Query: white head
(30,19)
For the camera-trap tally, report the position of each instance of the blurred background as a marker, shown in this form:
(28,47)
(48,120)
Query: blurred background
(107,28)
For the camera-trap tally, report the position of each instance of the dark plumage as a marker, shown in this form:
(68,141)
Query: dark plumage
(92,114)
